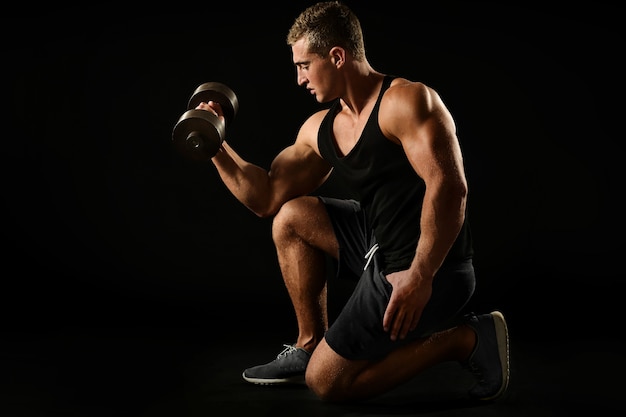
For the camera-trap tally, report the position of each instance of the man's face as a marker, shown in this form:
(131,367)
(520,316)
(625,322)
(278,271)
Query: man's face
(313,72)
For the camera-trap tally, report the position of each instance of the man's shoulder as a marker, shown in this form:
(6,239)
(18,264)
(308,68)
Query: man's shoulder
(315,120)
(309,129)
(403,92)
(400,84)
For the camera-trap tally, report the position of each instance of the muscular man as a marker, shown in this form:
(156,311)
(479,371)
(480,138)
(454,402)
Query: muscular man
(406,240)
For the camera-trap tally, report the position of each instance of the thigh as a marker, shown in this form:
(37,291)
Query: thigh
(358,334)
(352,233)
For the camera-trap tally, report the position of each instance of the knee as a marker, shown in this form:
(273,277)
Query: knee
(324,384)
(287,213)
(319,387)
(283,223)
(290,217)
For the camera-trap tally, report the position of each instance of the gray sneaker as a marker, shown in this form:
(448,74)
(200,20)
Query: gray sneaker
(288,368)
(489,362)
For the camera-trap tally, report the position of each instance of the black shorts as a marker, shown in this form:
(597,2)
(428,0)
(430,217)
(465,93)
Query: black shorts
(357,331)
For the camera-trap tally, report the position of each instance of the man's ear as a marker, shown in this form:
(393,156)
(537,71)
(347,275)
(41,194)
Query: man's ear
(337,56)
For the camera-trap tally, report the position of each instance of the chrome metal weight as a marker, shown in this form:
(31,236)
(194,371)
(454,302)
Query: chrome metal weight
(198,134)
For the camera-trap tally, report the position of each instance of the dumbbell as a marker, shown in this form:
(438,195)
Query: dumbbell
(198,134)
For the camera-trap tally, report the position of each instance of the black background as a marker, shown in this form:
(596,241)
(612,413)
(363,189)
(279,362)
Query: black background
(106,225)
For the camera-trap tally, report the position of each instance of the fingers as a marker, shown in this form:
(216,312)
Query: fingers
(388,319)
(212,106)
(400,327)
(394,322)
(398,322)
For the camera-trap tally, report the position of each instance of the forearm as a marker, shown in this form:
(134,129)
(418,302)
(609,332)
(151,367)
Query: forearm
(443,213)
(249,183)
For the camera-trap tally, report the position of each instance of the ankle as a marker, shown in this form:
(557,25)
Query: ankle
(466,342)
(308,344)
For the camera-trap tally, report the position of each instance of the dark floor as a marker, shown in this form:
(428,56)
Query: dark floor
(143,369)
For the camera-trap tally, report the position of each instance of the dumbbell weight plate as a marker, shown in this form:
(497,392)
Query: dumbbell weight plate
(214,91)
(198,134)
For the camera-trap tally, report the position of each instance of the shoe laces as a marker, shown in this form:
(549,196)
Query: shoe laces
(288,350)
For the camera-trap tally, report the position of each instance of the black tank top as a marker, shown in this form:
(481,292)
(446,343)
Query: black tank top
(388,188)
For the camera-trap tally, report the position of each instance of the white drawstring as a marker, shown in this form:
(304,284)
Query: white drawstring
(370,254)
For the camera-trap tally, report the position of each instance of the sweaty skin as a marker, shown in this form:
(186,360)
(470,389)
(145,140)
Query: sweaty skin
(411,115)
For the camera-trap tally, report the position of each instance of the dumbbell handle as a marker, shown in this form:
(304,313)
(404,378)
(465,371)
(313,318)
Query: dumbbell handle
(198,134)
(214,91)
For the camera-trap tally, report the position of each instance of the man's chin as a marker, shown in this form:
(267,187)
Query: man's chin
(322,100)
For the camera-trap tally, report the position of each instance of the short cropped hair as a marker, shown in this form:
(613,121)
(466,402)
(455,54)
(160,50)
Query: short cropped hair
(327,24)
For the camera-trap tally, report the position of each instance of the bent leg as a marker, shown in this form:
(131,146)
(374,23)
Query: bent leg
(303,234)
(336,379)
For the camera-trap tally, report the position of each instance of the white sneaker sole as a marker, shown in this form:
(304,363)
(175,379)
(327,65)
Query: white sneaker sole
(502,337)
